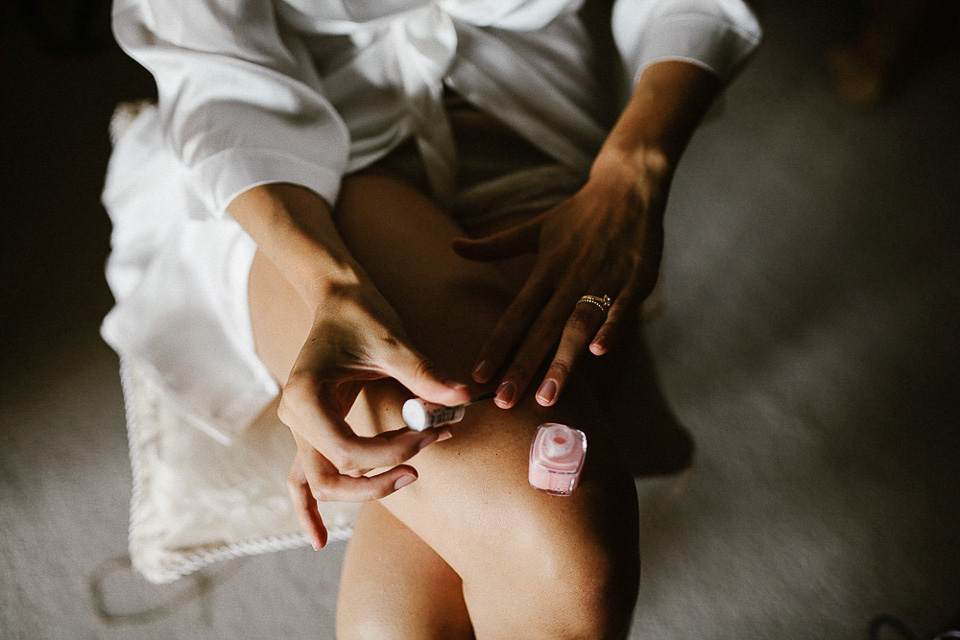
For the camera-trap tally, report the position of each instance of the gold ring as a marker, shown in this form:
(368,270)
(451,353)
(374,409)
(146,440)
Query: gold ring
(601,302)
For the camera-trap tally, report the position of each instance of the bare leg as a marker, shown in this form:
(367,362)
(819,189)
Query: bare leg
(393,585)
(532,565)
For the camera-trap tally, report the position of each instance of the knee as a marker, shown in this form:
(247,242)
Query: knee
(375,626)
(353,628)
(589,591)
(576,585)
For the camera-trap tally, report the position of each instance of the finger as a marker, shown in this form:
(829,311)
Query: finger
(420,375)
(512,325)
(580,327)
(305,506)
(321,429)
(508,243)
(327,485)
(622,315)
(540,339)
(344,488)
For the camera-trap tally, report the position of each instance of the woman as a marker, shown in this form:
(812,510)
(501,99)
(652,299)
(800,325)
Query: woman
(353,203)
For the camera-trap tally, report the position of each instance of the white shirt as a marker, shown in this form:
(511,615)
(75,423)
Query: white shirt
(301,91)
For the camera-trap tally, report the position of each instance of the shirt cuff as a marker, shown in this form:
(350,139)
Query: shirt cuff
(220,178)
(715,42)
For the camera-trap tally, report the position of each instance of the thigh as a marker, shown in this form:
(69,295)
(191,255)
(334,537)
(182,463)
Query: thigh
(472,503)
(395,586)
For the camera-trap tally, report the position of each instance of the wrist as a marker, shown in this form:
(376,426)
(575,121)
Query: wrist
(639,177)
(628,166)
(320,268)
(325,280)
(666,105)
(294,229)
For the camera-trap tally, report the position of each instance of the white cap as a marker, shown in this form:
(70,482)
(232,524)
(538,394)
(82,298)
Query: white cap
(558,440)
(414,414)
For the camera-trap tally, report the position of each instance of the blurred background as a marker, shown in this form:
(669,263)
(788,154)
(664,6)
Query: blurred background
(808,343)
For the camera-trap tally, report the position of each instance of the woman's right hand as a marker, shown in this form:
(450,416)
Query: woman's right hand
(356,337)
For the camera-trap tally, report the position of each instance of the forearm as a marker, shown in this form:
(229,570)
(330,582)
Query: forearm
(667,104)
(294,229)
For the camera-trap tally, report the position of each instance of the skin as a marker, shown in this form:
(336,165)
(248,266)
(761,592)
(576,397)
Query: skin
(512,547)
(338,301)
(393,585)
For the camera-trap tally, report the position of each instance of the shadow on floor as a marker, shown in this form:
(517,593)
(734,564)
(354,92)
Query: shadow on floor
(649,438)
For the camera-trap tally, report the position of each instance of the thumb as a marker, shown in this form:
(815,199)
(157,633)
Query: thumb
(421,376)
(508,243)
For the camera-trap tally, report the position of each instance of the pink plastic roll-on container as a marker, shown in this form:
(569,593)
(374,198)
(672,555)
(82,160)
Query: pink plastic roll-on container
(556,458)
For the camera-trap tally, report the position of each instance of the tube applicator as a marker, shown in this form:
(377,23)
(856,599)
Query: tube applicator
(420,414)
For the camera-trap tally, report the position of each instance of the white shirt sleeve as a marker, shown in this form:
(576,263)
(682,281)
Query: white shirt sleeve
(718,35)
(240,102)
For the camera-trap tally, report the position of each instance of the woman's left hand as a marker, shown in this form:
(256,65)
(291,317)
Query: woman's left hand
(606,240)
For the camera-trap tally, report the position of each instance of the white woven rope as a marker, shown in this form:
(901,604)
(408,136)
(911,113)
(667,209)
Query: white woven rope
(180,564)
(183,564)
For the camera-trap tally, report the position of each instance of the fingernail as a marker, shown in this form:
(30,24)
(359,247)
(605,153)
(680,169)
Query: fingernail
(547,392)
(403,481)
(598,346)
(446,434)
(481,372)
(314,540)
(505,393)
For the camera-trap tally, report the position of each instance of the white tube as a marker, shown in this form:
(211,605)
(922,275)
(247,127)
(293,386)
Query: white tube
(420,414)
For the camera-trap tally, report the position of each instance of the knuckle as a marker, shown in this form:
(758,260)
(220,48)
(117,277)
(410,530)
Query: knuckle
(285,412)
(580,324)
(378,491)
(321,494)
(560,368)
(395,456)
(293,483)
(299,389)
(323,488)
(519,371)
(342,460)
(424,369)
(300,383)
(386,337)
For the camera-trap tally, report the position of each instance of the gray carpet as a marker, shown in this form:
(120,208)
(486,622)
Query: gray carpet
(808,346)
